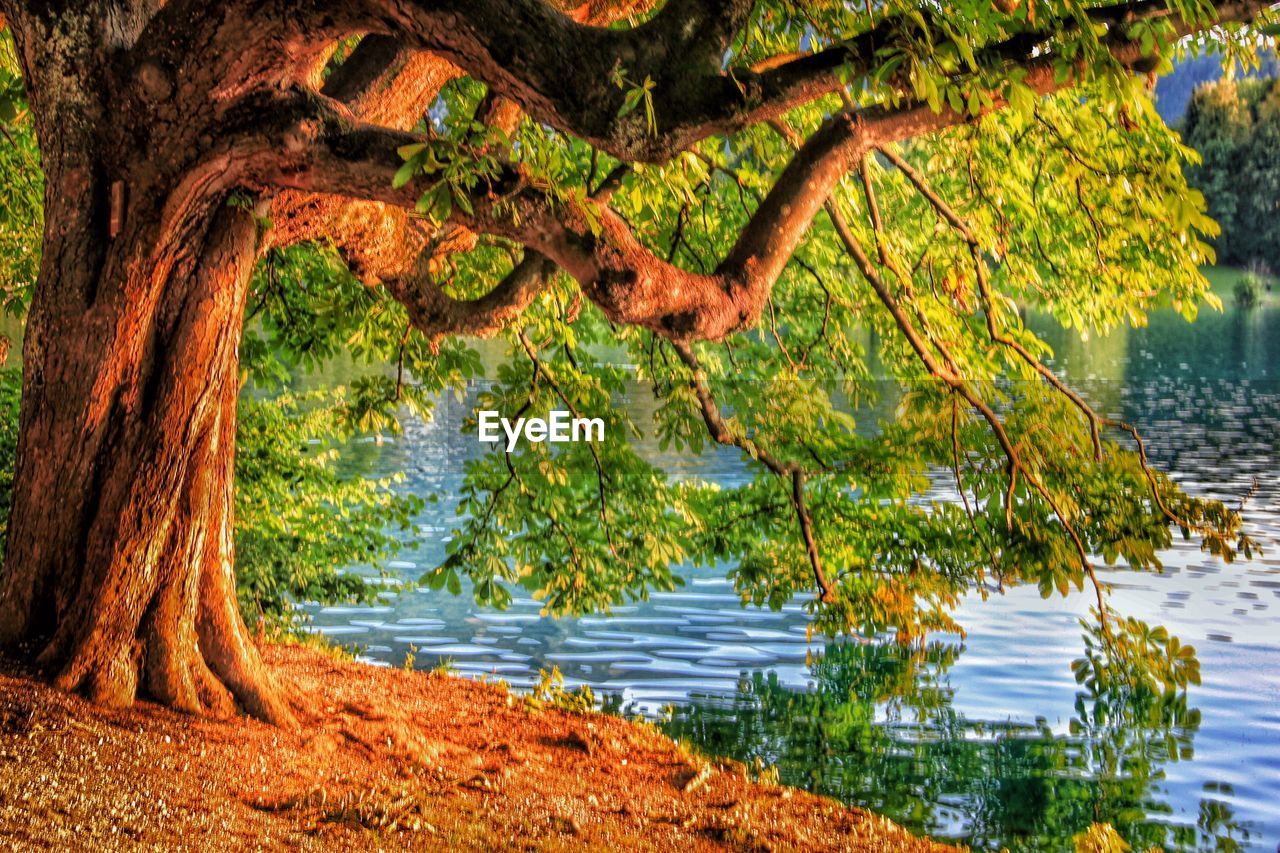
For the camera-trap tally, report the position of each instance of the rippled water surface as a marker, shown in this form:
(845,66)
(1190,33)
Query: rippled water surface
(983,740)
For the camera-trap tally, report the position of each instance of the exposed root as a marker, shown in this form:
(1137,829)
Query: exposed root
(228,649)
(158,616)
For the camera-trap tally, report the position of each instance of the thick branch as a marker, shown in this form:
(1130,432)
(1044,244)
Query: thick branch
(565,74)
(617,272)
(376,61)
(386,83)
(383,83)
(436,314)
(629,283)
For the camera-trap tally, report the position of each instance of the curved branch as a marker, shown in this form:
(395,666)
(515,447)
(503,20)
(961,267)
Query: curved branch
(567,74)
(563,72)
(436,314)
(193,54)
(571,75)
(593,244)
(630,284)
(384,83)
(387,83)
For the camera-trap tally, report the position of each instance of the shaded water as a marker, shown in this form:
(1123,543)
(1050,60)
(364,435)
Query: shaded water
(981,740)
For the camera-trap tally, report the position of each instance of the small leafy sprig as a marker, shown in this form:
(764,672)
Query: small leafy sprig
(637,94)
(455,171)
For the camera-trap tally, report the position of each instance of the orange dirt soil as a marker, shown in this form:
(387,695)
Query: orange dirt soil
(387,759)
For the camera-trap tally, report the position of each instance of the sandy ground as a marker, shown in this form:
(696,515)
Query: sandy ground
(387,759)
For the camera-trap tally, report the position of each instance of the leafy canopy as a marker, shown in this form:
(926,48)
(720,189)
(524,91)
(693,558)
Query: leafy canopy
(1052,183)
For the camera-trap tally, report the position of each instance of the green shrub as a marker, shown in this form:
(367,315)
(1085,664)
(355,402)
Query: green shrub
(10,385)
(1248,290)
(299,519)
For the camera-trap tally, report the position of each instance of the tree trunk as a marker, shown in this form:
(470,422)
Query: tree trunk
(118,571)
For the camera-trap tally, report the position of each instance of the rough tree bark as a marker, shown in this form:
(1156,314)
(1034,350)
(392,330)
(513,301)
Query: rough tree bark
(118,563)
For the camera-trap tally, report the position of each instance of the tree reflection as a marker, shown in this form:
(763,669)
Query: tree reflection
(877,729)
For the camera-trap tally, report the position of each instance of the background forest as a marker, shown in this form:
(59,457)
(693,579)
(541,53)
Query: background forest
(1235,127)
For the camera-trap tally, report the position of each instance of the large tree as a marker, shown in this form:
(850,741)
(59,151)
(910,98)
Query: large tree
(725,184)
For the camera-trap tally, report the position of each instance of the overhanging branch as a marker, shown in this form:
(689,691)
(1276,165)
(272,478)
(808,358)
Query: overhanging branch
(793,474)
(332,153)
(593,244)
(565,73)
(436,314)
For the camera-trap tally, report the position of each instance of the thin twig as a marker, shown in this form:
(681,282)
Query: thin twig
(722,433)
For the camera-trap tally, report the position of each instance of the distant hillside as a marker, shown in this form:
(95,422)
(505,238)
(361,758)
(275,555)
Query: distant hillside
(1173,92)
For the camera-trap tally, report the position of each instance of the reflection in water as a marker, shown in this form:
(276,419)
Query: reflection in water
(878,727)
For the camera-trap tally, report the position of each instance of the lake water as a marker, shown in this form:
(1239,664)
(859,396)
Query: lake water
(983,740)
